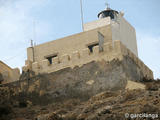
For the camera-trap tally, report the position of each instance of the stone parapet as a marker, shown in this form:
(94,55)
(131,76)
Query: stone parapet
(111,50)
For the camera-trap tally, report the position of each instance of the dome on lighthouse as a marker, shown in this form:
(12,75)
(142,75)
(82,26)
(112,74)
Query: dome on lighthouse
(108,13)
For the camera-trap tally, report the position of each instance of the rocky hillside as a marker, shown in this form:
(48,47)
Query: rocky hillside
(106,105)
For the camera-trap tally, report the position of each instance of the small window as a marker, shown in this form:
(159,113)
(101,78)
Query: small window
(50,57)
(90,47)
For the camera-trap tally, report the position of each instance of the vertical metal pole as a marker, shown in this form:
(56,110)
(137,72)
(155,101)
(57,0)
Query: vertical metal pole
(32,50)
(31,43)
(34,31)
(82,14)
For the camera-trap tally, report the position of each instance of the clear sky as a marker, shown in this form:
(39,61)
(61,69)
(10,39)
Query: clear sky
(58,18)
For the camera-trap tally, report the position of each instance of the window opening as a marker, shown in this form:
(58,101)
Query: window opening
(50,58)
(90,47)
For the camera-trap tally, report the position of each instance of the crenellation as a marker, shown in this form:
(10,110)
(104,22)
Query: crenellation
(96,50)
(55,61)
(84,53)
(45,62)
(75,56)
(64,58)
(117,46)
(107,47)
(44,65)
(35,67)
(85,56)
(110,46)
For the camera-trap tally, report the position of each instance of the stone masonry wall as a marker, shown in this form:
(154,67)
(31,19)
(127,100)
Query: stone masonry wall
(115,50)
(78,82)
(68,44)
(9,74)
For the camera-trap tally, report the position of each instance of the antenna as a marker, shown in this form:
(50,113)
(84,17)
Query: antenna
(82,14)
(34,30)
(31,43)
(32,50)
(107,5)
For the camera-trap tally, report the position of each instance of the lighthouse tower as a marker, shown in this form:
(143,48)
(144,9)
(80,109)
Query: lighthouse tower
(120,28)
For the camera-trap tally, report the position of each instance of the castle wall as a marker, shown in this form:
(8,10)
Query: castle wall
(9,74)
(77,58)
(115,50)
(68,44)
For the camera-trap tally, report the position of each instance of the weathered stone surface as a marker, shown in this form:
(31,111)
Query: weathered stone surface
(62,94)
(7,74)
(79,82)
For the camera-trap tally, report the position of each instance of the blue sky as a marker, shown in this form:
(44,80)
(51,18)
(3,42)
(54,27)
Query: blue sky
(58,18)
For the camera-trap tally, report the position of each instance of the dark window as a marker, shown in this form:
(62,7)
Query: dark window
(50,58)
(90,47)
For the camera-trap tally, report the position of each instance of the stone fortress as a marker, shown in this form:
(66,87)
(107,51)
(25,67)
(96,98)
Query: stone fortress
(110,37)
(101,59)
